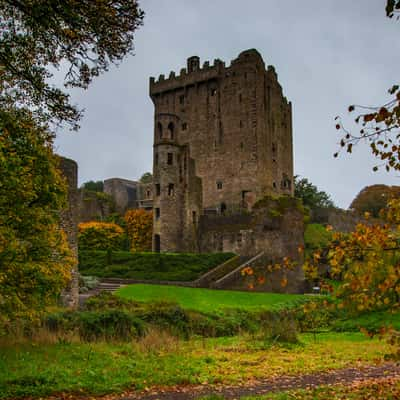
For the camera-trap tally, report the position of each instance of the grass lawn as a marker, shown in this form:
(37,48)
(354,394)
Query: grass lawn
(149,266)
(207,300)
(99,368)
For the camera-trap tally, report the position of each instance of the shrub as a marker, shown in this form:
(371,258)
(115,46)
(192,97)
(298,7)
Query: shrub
(139,225)
(100,236)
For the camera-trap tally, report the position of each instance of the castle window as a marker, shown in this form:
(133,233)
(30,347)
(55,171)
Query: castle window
(159,129)
(171,130)
(171,189)
(157,213)
(182,99)
(219,185)
(157,243)
(194,217)
(156,158)
(223,208)
(241,123)
(148,193)
(240,98)
(158,189)
(273,148)
(213,92)
(184,126)
(274,185)
(170,159)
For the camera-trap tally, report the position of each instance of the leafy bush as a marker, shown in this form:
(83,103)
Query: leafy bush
(96,325)
(139,225)
(100,236)
(150,266)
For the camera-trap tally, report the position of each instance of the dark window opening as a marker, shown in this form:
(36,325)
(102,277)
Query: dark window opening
(160,130)
(274,185)
(148,193)
(219,185)
(156,159)
(241,123)
(171,130)
(240,98)
(273,160)
(157,243)
(273,148)
(158,189)
(182,99)
(184,126)
(170,159)
(170,189)
(213,92)
(194,217)
(223,208)
(157,213)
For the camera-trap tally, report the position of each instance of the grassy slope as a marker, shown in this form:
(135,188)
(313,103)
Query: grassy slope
(165,266)
(99,368)
(207,300)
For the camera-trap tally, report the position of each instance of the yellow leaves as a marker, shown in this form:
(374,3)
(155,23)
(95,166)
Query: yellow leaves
(284,282)
(140,229)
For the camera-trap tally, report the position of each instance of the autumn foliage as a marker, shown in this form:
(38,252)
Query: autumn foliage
(95,235)
(139,225)
(35,261)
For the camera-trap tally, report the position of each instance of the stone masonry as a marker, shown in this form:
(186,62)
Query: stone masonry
(222,141)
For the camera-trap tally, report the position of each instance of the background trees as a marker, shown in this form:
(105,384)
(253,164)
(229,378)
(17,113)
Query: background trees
(310,195)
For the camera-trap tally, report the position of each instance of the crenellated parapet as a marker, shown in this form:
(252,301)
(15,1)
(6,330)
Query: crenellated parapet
(187,76)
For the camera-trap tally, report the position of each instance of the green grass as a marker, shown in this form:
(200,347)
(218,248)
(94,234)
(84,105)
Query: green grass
(149,266)
(99,368)
(207,300)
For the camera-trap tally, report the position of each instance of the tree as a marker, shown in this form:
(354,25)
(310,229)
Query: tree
(35,261)
(93,186)
(310,195)
(95,235)
(380,125)
(38,37)
(147,177)
(372,199)
(139,225)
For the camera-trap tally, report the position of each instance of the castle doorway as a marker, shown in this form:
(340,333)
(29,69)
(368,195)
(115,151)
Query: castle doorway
(157,243)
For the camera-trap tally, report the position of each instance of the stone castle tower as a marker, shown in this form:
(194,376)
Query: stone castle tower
(222,140)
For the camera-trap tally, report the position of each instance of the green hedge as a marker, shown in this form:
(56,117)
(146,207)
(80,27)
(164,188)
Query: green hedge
(148,266)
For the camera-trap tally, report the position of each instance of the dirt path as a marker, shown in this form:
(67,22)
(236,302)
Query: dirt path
(281,383)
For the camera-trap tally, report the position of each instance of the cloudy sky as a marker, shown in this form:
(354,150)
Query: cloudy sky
(328,54)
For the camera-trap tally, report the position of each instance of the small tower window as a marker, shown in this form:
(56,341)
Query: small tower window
(240,98)
(223,208)
(171,130)
(171,190)
(194,217)
(274,185)
(184,126)
(157,213)
(148,193)
(241,123)
(219,185)
(170,159)
(156,159)
(182,99)
(213,91)
(158,189)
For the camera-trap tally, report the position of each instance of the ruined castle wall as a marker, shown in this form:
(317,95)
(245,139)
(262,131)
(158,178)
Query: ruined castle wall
(69,223)
(276,234)
(124,193)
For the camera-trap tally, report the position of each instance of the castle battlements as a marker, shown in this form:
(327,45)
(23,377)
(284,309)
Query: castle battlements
(194,73)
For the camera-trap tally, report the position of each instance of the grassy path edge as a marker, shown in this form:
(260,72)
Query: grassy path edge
(277,384)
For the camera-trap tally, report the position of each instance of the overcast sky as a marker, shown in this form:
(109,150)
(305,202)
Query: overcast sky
(328,54)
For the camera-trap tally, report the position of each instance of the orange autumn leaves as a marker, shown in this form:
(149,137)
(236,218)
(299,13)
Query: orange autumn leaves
(139,226)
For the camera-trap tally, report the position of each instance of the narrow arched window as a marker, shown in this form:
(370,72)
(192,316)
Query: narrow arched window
(171,130)
(159,129)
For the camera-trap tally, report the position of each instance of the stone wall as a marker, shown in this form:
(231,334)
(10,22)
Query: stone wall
(94,206)
(274,228)
(69,223)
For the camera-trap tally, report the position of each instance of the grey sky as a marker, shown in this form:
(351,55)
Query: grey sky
(328,54)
